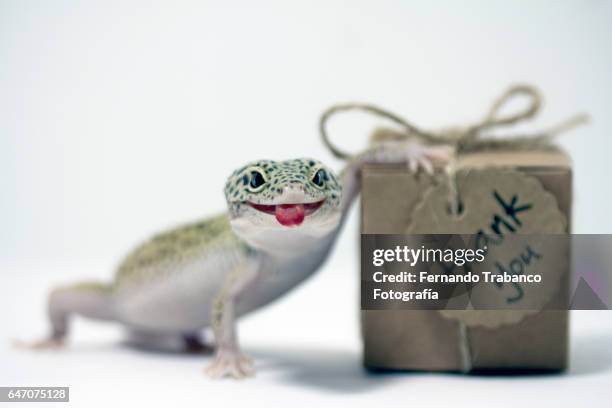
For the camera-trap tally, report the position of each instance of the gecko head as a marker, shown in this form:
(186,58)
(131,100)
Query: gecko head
(283,198)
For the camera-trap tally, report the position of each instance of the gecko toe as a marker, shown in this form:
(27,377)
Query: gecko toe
(230,364)
(45,344)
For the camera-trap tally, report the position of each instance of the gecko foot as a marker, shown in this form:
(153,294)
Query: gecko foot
(45,344)
(426,157)
(230,363)
(416,155)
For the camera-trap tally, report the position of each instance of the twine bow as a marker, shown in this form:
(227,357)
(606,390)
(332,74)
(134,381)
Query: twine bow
(467,138)
(464,139)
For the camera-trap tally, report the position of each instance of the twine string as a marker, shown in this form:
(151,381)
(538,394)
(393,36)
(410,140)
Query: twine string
(408,128)
(466,138)
(463,139)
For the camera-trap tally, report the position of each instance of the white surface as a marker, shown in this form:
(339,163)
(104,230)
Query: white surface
(121,118)
(306,349)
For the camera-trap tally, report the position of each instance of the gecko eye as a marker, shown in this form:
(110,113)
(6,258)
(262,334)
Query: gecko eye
(255,180)
(319,178)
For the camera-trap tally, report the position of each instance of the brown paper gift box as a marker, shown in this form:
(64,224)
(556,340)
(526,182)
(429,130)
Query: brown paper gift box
(424,339)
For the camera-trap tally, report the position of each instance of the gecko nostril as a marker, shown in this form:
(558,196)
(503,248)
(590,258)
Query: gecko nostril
(293,193)
(293,187)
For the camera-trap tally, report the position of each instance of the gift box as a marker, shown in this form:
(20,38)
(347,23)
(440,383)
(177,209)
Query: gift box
(396,201)
(496,190)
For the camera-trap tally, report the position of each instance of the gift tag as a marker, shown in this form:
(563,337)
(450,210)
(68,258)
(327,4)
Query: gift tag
(522,228)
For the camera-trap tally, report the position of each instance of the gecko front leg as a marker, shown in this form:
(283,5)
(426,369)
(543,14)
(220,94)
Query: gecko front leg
(229,359)
(415,155)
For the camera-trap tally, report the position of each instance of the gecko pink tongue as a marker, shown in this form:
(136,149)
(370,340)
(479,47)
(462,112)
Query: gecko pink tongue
(289,214)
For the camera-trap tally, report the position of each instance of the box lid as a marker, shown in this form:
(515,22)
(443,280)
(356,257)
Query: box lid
(541,158)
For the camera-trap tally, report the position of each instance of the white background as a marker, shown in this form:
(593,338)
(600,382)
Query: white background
(118,119)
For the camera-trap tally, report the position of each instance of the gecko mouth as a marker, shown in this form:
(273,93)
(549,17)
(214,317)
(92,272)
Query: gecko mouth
(289,215)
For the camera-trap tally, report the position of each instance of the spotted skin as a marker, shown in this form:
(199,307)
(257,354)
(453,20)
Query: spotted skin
(239,189)
(167,251)
(210,272)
